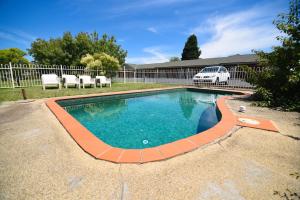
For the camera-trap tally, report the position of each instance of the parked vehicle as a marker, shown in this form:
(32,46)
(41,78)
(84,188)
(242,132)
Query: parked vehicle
(214,74)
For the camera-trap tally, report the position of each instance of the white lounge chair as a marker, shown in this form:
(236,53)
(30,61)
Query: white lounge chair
(70,80)
(86,80)
(103,80)
(50,80)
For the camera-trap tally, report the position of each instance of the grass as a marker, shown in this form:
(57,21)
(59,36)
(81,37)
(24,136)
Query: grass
(38,92)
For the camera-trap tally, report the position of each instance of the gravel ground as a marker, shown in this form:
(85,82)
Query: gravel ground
(39,160)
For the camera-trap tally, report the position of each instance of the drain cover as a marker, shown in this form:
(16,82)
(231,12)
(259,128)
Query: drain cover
(145,141)
(249,121)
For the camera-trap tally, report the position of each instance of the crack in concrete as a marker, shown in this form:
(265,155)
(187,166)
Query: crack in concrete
(229,135)
(291,136)
(121,183)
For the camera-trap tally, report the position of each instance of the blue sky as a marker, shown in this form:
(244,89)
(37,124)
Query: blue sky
(151,31)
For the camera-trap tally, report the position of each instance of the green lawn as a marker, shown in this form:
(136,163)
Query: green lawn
(38,92)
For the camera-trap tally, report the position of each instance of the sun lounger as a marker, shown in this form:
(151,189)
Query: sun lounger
(70,80)
(103,81)
(50,80)
(86,80)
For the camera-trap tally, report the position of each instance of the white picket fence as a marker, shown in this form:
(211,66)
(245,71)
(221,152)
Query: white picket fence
(21,75)
(238,77)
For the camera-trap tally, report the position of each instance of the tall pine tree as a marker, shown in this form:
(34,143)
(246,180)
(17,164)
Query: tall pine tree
(191,50)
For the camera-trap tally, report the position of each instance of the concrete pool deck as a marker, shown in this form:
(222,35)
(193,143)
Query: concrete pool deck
(39,160)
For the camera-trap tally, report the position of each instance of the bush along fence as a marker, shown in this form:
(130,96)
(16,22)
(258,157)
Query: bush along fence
(23,75)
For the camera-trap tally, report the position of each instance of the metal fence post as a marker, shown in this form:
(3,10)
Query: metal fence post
(61,70)
(11,75)
(124,74)
(235,75)
(187,76)
(134,75)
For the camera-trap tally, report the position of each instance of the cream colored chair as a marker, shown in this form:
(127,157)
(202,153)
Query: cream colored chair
(50,80)
(70,80)
(86,80)
(103,80)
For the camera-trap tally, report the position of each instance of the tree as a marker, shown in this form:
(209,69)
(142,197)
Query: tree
(84,45)
(279,83)
(13,55)
(109,64)
(91,62)
(191,50)
(47,52)
(101,61)
(69,50)
(174,59)
(108,45)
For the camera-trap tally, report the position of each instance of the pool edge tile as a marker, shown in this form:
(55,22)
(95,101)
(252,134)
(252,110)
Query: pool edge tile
(112,154)
(264,124)
(185,145)
(150,155)
(130,156)
(169,150)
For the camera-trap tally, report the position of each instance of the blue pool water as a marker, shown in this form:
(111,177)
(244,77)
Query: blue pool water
(144,120)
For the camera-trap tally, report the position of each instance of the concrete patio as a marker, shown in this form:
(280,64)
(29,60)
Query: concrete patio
(39,160)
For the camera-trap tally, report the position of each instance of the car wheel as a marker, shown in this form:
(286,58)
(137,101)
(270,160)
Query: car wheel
(217,81)
(227,82)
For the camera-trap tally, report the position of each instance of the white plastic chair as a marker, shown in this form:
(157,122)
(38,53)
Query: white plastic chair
(86,80)
(70,80)
(103,80)
(50,80)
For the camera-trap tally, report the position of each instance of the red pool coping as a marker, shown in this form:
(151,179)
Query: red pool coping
(264,124)
(100,150)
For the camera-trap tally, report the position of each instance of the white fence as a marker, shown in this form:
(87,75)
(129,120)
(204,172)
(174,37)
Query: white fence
(21,75)
(238,77)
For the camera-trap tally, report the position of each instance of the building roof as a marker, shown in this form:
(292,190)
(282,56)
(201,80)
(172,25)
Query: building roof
(129,66)
(230,60)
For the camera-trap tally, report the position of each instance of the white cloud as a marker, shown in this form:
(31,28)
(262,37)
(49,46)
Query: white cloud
(237,33)
(24,35)
(152,29)
(155,55)
(17,36)
(13,38)
(137,5)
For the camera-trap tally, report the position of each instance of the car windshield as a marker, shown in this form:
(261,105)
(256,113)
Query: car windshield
(209,69)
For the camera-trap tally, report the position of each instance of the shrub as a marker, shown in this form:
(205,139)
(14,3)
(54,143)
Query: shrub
(262,94)
(101,61)
(279,82)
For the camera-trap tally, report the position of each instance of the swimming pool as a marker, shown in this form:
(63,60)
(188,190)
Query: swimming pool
(137,121)
(142,126)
